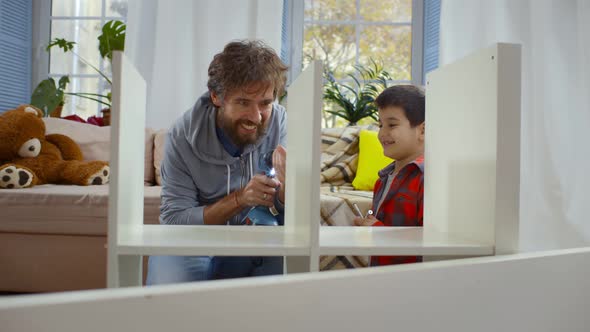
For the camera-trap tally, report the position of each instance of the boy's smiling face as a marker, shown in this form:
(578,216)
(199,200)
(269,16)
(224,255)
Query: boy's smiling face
(400,141)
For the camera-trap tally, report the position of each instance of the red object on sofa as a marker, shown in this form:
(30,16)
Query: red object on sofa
(93,120)
(74,118)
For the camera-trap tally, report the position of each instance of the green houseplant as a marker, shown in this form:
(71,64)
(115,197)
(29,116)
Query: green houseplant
(356,101)
(111,39)
(49,97)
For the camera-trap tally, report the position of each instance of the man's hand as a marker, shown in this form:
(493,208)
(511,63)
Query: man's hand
(279,162)
(259,191)
(369,221)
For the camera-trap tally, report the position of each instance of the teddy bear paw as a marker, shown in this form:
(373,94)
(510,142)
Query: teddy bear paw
(13,177)
(100,177)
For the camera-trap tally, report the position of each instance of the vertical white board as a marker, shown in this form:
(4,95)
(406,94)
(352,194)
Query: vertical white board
(472,151)
(127,160)
(302,206)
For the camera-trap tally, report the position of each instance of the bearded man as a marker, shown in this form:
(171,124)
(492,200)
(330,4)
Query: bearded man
(210,171)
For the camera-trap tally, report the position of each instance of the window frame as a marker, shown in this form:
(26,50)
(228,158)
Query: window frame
(296,24)
(42,36)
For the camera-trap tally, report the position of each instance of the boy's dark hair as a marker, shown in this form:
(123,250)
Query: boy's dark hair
(245,62)
(409,97)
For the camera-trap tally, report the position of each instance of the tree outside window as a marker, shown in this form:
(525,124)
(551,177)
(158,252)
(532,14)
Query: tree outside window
(345,33)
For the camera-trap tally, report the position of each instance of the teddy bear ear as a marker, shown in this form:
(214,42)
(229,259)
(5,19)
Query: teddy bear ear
(31,109)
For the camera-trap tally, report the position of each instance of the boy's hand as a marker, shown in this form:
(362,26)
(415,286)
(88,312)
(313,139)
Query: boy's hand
(369,221)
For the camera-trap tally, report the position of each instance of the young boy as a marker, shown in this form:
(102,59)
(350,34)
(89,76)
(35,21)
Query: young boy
(399,191)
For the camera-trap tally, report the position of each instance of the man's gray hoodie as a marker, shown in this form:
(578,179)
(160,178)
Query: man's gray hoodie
(197,170)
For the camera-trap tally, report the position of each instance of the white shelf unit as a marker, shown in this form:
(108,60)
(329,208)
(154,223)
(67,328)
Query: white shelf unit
(129,239)
(471,179)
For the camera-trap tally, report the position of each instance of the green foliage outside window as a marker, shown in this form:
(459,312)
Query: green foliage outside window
(354,102)
(345,34)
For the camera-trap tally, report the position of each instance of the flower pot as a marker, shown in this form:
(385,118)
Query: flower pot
(56,113)
(106,116)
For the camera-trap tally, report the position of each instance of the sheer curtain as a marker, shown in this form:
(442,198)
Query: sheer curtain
(555,148)
(173,42)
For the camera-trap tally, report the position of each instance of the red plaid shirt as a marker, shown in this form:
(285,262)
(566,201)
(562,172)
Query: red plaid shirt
(402,206)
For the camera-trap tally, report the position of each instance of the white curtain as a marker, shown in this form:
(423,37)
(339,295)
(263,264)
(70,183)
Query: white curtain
(172,43)
(555,139)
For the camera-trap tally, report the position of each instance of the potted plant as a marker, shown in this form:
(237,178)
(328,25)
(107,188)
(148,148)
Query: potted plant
(355,102)
(111,39)
(49,97)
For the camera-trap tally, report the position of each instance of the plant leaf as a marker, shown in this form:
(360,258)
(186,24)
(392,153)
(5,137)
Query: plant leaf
(65,45)
(46,96)
(63,82)
(112,38)
(355,104)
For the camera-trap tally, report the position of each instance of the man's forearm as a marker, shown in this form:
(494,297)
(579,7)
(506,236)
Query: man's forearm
(223,210)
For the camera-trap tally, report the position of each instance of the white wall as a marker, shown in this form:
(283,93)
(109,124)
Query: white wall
(555,156)
(172,43)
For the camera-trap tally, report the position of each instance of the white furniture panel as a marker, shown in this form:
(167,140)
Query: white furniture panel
(472,152)
(302,197)
(127,167)
(397,241)
(542,292)
(212,240)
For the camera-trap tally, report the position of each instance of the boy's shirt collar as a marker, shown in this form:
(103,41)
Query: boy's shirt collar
(419,162)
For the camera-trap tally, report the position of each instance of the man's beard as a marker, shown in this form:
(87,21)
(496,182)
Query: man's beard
(232,128)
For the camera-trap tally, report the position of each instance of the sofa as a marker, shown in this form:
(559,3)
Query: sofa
(53,237)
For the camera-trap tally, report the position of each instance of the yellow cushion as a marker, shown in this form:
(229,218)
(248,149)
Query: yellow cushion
(371,161)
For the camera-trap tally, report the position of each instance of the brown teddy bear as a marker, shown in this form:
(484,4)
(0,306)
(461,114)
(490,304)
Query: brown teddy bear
(29,157)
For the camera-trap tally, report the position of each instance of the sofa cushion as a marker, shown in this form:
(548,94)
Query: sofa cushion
(60,209)
(95,142)
(371,161)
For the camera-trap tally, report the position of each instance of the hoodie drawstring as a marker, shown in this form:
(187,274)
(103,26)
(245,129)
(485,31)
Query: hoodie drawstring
(228,184)
(251,169)
(228,178)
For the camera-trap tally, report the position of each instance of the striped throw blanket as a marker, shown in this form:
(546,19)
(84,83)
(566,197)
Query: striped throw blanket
(336,210)
(340,147)
(340,151)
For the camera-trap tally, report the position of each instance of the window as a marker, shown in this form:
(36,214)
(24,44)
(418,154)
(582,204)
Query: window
(345,33)
(81,21)
(15,50)
(431,35)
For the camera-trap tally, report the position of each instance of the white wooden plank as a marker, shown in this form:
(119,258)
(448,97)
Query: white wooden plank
(472,161)
(396,241)
(211,240)
(508,149)
(543,292)
(126,161)
(302,206)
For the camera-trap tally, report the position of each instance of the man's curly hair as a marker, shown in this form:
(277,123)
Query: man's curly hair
(244,62)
